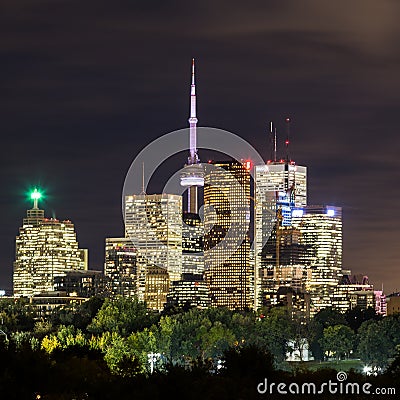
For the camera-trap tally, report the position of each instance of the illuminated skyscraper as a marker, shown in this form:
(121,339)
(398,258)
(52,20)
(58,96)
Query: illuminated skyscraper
(278,185)
(282,265)
(154,224)
(192,244)
(45,249)
(226,240)
(321,232)
(120,266)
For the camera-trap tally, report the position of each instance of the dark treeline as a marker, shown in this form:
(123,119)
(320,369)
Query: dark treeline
(117,349)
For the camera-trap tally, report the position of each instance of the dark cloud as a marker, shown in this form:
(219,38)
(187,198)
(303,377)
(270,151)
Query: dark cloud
(85,85)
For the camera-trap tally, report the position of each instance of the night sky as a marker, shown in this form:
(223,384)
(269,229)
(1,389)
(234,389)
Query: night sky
(85,85)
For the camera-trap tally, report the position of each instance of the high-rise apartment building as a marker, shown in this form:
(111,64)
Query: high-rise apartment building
(45,249)
(226,239)
(321,233)
(154,224)
(120,266)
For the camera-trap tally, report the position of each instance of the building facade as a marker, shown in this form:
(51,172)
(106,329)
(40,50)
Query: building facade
(191,291)
(82,284)
(348,283)
(46,248)
(226,239)
(120,266)
(154,225)
(321,232)
(278,186)
(192,244)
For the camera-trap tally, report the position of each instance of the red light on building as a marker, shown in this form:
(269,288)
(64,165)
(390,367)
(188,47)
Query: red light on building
(247,165)
(287,142)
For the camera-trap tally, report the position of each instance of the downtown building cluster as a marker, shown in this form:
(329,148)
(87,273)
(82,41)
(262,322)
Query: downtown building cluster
(258,243)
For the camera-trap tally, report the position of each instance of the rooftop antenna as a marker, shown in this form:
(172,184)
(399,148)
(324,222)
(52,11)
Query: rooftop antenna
(273,139)
(143,191)
(287,141)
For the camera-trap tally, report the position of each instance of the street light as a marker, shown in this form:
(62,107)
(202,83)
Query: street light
(152,358)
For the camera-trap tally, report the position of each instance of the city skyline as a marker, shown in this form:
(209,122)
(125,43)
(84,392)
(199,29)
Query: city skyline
(72,124)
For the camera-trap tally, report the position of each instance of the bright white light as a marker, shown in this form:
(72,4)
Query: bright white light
(367,370)
(330,213)
(297,213)
(192,181)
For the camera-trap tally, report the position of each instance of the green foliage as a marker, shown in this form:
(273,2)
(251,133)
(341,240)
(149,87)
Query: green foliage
(378,341)
(65,337)
(198,334)
(78,315)
(115,352)
(247,361)
(324,318)
(356,316)
(330,317)
(338,341)
(42,328)
(21,339)
(123,315)
(64,361)
(141,344)
(273,332)
(16,315)
(50,343)
(123,333)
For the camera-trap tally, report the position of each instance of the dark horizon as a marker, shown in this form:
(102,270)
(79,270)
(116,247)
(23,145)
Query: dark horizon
(85,86)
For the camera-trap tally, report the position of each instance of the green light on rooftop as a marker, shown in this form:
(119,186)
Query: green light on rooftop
(35,195)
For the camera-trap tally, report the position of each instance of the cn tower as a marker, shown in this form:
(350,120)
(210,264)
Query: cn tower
(192,176)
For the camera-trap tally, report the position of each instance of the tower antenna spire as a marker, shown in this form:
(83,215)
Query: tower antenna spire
(273,141)
(143,189)
(287,141)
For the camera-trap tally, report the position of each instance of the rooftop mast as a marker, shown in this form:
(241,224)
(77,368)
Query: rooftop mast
(287,142)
